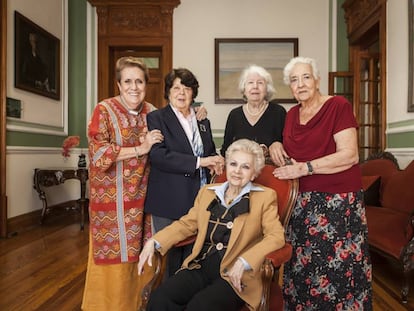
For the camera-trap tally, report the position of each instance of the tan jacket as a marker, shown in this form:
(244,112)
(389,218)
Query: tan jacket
(253,236)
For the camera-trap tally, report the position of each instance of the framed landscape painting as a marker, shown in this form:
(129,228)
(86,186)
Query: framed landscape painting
(232,55)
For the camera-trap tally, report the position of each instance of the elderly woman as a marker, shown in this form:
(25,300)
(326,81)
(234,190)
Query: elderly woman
(181,163)
(330,268)
(237,224)
(257,119)
(119,142)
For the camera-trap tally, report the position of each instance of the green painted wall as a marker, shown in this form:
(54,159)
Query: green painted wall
(342,52)
(76,84)
(77,69)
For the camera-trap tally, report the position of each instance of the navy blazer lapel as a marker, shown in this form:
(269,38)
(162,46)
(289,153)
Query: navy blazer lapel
(172,122)
(204,129)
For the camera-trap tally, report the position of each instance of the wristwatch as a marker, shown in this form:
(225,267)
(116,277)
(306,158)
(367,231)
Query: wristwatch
(310,168)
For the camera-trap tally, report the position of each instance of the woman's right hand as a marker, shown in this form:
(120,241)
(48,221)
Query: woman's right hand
(278,154)
(149,139)
(146,255)
(214,163)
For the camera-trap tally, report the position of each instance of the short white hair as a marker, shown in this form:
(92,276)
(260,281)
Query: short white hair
(300,60)
(270,89)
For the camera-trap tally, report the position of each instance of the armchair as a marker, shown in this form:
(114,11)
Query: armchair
(287,191)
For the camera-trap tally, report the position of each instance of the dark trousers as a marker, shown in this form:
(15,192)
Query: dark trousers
(196,290)
(175,255)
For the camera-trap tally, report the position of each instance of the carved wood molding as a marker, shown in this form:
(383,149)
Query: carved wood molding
(361,13)
(138,18)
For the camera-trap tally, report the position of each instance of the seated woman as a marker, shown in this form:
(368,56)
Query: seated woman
(237,225)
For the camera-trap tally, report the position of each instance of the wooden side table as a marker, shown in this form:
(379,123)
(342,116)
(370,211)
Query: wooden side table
(48,177)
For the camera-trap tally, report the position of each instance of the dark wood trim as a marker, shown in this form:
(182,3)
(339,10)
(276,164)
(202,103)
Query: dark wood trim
(3,76)
(130,24)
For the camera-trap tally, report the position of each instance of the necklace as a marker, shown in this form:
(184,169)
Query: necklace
(135,111)
(258,112)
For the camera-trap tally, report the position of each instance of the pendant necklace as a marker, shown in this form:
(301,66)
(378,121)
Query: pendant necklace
(134,112)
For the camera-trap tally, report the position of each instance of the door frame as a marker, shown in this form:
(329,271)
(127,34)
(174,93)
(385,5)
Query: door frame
(3,149)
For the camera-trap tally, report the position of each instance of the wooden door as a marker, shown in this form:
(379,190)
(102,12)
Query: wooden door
(152,57)
(366,30)
(3,76)
(141,28)
(369,104)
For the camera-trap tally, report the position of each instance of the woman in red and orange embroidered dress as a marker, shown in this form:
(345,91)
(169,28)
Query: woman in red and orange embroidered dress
(119,142)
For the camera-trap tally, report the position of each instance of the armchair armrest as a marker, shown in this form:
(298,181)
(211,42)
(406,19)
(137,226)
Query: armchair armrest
(159,262)
(280,256)
(272,262)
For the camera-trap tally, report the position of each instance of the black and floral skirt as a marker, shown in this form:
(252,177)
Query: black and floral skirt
(330,268)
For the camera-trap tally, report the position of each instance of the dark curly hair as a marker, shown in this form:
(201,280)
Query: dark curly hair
(187,78)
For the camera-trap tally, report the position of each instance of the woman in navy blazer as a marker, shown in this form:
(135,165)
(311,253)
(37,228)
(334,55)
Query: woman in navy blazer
(181,163)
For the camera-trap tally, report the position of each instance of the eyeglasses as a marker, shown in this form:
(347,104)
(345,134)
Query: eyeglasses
(182,88)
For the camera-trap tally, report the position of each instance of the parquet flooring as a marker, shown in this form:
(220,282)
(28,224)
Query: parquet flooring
(44,269)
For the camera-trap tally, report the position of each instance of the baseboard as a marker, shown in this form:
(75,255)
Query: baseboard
(23,222)
(27,221)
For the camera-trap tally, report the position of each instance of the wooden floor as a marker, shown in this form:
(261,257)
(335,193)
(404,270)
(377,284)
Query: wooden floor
(44,269)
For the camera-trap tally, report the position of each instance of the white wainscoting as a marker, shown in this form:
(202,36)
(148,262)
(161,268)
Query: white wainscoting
(22,198)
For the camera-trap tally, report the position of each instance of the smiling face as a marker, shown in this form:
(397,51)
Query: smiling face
(180,96)
(255,88)
(132,86)
(240,169)
(303,84)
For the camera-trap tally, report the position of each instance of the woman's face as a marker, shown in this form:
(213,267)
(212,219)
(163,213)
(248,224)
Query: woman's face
(181,96)
(132,86)
(240,169)
(255,88)
(302,82)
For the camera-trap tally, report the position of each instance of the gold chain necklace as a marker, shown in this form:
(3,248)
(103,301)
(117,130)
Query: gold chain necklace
(257,113)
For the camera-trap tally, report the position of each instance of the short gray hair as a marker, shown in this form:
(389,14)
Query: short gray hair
(250,147)
(270,89)
(300,60)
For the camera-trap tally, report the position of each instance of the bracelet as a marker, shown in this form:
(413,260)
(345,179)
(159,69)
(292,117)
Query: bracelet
(136,152)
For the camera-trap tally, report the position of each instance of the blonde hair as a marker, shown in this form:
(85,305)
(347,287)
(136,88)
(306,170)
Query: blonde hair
(130,61)
(250,147)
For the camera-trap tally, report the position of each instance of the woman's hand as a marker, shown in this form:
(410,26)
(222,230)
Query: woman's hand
(278,154)
(214,163)
(235,274)
(201,112)
(294,170)
(149,139)
(146,255)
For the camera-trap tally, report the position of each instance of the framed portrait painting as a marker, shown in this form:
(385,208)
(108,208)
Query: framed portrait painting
(232,55)
(37,58)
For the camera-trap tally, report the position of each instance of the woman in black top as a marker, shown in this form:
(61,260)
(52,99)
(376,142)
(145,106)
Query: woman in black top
(257,119)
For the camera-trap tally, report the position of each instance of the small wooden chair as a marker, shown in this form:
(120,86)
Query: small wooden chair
(287,191)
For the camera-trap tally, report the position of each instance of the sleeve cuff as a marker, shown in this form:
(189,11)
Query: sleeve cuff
(245,263)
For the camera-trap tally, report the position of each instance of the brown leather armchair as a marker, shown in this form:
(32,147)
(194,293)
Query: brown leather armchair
(272,299)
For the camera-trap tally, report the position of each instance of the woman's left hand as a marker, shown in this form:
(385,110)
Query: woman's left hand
(201,113)
(235,274)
